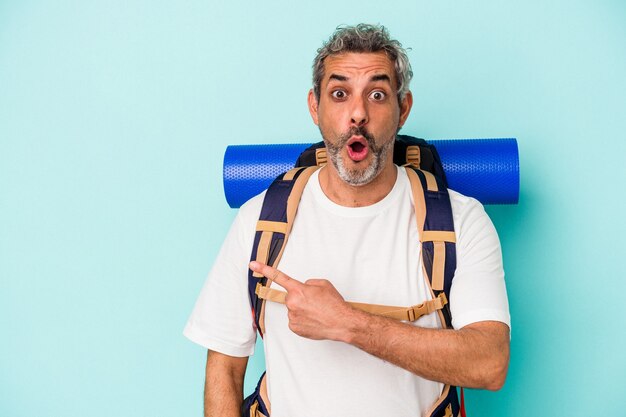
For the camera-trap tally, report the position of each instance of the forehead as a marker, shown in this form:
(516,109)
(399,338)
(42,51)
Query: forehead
(355,64)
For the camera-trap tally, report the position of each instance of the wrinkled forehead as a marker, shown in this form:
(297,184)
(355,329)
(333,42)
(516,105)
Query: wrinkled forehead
(359,65)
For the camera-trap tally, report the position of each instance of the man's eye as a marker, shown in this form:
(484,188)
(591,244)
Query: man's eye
(338,94)
(377,95)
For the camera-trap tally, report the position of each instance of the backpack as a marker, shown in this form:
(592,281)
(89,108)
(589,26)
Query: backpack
(436,235)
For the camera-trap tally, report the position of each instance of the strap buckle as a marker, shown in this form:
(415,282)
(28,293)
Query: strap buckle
(417,311)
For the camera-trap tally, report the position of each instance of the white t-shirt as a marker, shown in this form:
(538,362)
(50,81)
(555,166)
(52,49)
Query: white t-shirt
(370,254)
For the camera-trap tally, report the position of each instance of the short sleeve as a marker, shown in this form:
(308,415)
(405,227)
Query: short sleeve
(478,290)
(221,319)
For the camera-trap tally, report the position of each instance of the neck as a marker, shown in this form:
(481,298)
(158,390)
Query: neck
(344,194)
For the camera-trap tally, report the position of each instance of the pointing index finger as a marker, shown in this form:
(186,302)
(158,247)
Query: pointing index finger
(275,275)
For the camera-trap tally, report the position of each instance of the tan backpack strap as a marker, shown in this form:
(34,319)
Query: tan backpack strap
(270,294)
(268,228)
(321,156)
(292,207)
(291,173)
(263,250)
(404,313)
(253,409)
(418,200)
(439,263)
(413,155)
(393,312)
(437,409)
(437,237)
(264,397)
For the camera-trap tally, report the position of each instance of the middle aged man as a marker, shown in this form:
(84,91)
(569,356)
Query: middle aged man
(355,235)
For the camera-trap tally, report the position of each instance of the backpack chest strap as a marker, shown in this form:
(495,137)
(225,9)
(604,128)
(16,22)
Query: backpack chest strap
(411,313)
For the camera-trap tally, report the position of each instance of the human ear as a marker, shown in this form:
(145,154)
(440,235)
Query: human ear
(313,105)
(405,108)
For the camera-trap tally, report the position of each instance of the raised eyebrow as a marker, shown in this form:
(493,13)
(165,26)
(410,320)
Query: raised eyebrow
(337,77)
(381,77)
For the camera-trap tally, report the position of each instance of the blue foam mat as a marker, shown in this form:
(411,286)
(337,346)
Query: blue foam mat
(486,169)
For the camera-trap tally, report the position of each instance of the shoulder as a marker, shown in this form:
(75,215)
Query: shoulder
(244,224)
(462,204)
(252,208)
(469,215)
(477,238)
(478,290)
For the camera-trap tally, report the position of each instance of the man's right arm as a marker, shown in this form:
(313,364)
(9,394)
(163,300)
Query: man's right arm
(223,387)
(221,321)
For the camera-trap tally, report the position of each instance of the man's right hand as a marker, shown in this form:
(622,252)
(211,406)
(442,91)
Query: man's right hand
(315,308)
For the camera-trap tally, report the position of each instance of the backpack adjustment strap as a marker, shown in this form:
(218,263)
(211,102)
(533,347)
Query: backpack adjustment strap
(438,236)
(393,312)
(413,155)
(269,226)
(439,265)
(439,239)
(267,229)
(321,157)
(266,293)
(263,250)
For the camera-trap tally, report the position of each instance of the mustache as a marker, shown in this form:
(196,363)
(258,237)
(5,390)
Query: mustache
(358,131)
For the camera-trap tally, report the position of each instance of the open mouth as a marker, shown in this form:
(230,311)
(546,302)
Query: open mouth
(357,148)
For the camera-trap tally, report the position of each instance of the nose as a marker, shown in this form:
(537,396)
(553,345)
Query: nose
(358,112)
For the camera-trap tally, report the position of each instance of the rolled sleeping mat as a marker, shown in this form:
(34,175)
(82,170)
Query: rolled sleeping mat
(486,169)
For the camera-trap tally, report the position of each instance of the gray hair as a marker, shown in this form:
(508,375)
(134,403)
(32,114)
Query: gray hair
(364,38)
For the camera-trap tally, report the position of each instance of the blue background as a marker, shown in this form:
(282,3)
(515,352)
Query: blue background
(114,117)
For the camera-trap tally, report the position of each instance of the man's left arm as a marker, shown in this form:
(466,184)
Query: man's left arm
(475,356)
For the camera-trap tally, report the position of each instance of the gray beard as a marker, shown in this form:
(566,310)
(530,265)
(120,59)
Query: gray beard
(358,177)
